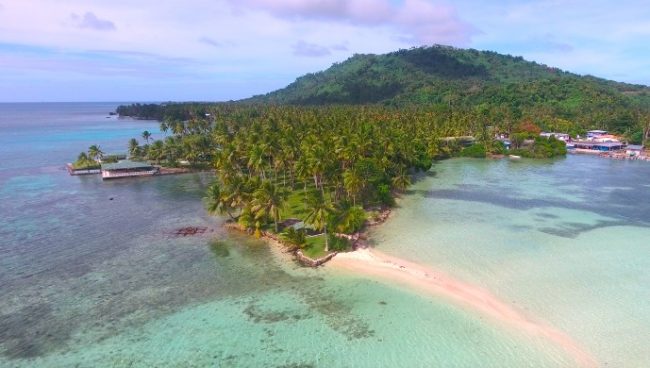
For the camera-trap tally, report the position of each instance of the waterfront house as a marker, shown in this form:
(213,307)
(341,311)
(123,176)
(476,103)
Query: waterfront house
(126,168)
(607,138)
(634,150)
(599,146)
(595,133)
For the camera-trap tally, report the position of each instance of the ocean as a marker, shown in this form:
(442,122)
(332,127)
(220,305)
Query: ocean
(86,281)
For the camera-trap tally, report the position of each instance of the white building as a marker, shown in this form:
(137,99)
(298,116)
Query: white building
(561,136)
(596,133)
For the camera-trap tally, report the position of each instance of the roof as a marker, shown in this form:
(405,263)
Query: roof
(126,164)
(597,131)
(600,144)
(634,147)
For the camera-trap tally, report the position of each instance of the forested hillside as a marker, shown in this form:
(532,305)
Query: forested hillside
(458,85)
(503,88)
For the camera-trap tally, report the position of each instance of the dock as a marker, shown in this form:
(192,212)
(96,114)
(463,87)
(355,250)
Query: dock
(73,171)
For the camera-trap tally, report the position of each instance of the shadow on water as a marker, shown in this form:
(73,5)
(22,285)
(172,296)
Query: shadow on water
(34,330)
(571,230)
(624,212)
(219,248)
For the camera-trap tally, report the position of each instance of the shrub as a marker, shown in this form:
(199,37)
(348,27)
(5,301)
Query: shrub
(498,148)
(384,195)
(476,150)
(338,244)
(85,163)
(295,237)
(543,148)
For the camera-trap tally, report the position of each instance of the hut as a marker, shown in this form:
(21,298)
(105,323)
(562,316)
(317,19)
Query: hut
(126,168)
(633,150)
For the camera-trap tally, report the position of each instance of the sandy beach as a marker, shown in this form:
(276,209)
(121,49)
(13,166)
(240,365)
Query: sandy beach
(381,266)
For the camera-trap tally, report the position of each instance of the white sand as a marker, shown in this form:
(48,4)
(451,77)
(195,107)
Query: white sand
(378,265)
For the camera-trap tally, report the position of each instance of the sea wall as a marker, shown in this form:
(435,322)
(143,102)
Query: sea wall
(306,261)
(272,238)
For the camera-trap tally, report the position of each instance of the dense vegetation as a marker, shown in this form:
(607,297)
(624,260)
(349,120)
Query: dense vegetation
(190,143)
(328,166)
(325,166)
(165,111)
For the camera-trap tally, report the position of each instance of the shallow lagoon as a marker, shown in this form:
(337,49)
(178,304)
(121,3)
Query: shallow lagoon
(564,241)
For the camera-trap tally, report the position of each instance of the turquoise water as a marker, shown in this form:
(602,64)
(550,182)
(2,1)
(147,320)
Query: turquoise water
(91,282)
(566,241)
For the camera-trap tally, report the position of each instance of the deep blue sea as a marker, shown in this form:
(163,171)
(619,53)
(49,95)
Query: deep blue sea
(86,281)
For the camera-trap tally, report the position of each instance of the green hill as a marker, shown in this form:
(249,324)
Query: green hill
(447,78)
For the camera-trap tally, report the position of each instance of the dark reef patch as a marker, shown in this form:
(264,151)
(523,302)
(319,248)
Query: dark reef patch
(33,331)
(257,315)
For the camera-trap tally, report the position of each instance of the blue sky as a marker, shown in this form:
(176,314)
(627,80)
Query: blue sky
(207,50)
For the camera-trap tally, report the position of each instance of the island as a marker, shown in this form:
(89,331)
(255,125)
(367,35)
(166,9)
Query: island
(312,164)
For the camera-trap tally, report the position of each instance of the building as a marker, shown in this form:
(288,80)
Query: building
(561,136)
(599,146)
(126,168)
(596,133)
(606,138)
(633,150)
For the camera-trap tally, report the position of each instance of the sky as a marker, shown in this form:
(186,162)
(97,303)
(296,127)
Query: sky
(219,50)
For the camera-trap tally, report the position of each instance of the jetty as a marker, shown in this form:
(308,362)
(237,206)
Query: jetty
(85,171)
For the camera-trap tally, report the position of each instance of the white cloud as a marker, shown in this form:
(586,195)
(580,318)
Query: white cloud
(267,40)
(420,21)
(91,21)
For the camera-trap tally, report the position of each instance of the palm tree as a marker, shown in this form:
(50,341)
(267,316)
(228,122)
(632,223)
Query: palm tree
(353,183)
(156,151)
(134,148)
(178,127)
(267,201)
(164,126)
(320,211)
(401,180)
(348,218)
(212,199)
(82,157)
(95,153)
(146,135)
(217,202)
(256,161)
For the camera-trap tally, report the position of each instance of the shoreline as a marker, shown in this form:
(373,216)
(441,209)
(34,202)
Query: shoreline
(363,261)
(357,240)
(379,266)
